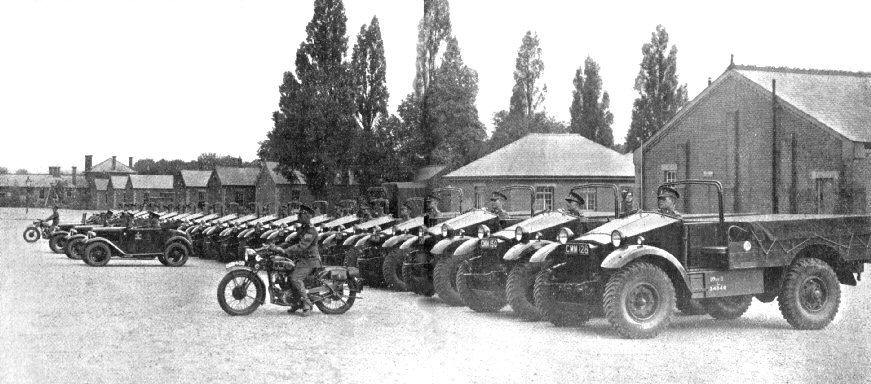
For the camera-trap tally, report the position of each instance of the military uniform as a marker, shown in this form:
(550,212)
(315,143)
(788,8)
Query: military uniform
(308,257)
(432,211)
(575,198)
(498,210)
(54,218)
(665,192)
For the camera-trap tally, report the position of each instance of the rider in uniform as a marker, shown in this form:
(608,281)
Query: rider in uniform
(307,256)
(54,218)
(575,203)
(666,197)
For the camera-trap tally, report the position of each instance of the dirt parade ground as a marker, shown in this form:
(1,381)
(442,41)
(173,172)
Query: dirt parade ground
(140,322)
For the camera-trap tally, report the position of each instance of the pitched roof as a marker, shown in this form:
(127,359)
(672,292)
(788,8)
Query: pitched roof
(549,155)
(237,175)
(838,99)
(101,184)
(279,179)
(106,166)
(151,181)
(425,173)
(41,181)
(195,179)
(118,182)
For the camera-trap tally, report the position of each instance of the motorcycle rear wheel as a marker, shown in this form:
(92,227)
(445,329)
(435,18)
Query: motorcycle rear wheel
(234,292)
(340,302)
(31,235)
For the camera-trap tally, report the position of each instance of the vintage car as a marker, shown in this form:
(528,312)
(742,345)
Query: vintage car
(57,240)
(636,269)
(170,246)
(493,268)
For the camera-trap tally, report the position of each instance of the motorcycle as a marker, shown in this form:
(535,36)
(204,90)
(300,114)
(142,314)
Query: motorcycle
(38,229)
(241,291)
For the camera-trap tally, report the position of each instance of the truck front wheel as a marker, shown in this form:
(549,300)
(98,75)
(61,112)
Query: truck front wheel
(639,301)
(811,294)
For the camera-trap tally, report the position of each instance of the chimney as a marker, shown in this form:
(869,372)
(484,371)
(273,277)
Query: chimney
(709,81)
(74,176)
(130,162)
(54,171)
(89,161)
(114,160)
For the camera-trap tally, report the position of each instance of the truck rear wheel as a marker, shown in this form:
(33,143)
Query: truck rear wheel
(639,301)
(478,302)
(549,307)
(520,289)
(811,294)
(727,308)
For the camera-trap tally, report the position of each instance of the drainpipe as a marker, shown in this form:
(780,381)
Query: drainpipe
(775,153)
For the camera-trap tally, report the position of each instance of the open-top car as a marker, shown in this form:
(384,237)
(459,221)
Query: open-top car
(169,246)
(636,269)
(493,268)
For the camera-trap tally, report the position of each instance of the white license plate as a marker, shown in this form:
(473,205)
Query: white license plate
(238,263)
(578,249)
(489,243)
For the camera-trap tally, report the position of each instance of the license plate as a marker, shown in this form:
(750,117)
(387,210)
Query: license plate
(421,240)
(578,249)
(489,243)
(238,263)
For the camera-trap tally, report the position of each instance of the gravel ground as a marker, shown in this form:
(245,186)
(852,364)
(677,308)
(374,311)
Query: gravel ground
(140,322)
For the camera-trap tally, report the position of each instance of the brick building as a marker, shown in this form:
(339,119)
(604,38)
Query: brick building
(233,186)
(156,190)
(191,187)
(274,190)
(69,190)
(116,192)
(552,164)
(779,140)
(103,171)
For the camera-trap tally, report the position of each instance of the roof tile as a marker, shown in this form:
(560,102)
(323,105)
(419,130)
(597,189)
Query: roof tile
(151,181)
(195,179)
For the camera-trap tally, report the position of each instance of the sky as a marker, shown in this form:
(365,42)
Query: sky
(174,79)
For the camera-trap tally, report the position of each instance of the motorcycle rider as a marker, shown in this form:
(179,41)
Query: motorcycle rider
(575,204)
(54,218)
(308,256)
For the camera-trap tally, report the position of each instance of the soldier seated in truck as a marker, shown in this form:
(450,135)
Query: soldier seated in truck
(665,200)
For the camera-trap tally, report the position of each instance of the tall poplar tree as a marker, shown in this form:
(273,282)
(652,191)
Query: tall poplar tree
(591,117)
(369,71)
(433,30)
(659,93)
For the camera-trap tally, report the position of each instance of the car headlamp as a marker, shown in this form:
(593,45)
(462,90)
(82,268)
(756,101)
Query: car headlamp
(616,238)
(564,235)
(518,234)
(483,231)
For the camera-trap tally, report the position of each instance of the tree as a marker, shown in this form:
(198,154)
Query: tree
(433,30)
(315,130)
(528,94)
(4,170)
(591,118)
(455,133)
(21,171)
(369,70)
(511,127)
(659,93)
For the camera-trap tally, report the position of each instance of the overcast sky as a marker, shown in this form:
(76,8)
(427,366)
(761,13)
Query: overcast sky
(173,79)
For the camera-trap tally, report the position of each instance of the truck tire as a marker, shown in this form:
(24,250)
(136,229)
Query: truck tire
(392,270)
(545,300)
(639,301)
(445,279)
(491,302)
(727,308)
(811,294)
(57,242)
(520,290)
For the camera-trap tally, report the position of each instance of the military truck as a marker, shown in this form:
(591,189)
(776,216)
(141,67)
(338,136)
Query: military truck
(493,268)
(370,252)
(634,270)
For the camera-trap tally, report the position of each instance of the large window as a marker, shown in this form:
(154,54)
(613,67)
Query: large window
(41,193)
(589,199)
(479,196)
(145,197)
(201,195)
(669,176)
(543,198)
(240,197)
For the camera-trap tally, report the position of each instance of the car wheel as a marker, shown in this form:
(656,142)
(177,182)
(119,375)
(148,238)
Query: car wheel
(97,254)
(639,301)
(176,255)
(75,248)
(811,294)
(56,242)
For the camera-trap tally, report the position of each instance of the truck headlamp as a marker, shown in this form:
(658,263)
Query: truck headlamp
(616,238)
(518,234)
(483,231)
(564,235)
(92,234)
(446,230)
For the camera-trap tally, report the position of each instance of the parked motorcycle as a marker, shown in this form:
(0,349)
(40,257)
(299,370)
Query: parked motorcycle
(332,289)
(38,229)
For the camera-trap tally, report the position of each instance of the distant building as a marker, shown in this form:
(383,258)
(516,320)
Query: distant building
(778,139)
(41,190)
(104,171)
(117,192)
(549,163)
(275,190)
(232,188)
(154,190)
(192,187)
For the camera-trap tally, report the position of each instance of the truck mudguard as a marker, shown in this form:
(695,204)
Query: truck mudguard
(622,256)
(351,240)
(468,247)
(362,242)
(542,254)
(398,239)
(519,250)
(409,243)
(444,246)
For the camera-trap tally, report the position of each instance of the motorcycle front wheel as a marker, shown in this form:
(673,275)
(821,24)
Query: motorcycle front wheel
(31,235)
(240,292)
(339,300)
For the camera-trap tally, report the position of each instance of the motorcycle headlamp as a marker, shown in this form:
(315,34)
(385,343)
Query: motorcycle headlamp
(564,235)
(616,238)
(519,233)
(483,231)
